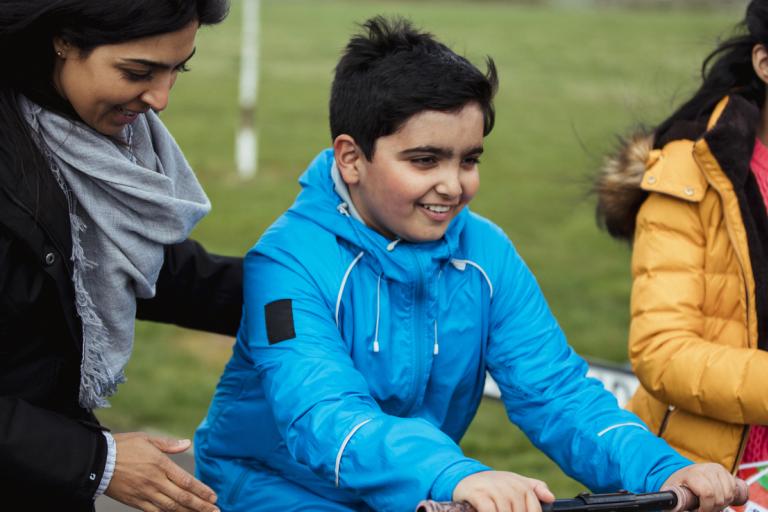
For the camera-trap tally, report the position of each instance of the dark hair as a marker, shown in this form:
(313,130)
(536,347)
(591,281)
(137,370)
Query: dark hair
(391,72)
(727,70)
(27,30)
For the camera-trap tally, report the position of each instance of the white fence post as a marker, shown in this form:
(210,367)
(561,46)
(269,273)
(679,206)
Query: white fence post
(247,142)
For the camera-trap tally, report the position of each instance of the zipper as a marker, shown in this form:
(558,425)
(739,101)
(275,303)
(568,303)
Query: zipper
(665,420)
(417,337)
(742,447)
(234,493)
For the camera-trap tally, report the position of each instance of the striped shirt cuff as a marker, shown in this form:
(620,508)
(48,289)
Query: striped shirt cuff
(109,467)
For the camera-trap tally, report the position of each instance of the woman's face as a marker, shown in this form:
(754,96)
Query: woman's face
(111,85)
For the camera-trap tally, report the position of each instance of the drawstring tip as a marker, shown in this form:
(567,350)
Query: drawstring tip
(376,346)
(437,349)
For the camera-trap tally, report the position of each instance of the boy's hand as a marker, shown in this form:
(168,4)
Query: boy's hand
(502,491)
(715,487)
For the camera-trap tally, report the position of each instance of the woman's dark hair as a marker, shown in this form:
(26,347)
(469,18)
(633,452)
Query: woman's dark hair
(391,72)
(727,70)
(27,30)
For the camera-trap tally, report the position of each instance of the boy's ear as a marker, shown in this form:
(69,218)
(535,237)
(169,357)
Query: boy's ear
(760,62)
(348,158)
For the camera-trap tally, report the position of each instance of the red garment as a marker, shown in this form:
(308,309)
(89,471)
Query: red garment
(757,444)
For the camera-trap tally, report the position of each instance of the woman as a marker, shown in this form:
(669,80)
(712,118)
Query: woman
(692,196)
(96,203)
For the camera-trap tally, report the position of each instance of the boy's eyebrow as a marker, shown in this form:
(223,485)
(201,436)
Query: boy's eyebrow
(438,151)
(160,65)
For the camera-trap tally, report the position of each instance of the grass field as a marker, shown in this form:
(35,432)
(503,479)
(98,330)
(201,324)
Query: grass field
(571,78)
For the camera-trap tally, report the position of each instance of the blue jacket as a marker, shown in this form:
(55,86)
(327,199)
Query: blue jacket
(360,363)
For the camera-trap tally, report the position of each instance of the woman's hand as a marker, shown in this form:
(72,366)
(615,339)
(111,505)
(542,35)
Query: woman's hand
(715,487)
(501,491)
(145,478)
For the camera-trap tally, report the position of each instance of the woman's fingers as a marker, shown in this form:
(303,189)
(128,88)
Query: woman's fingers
(145,477)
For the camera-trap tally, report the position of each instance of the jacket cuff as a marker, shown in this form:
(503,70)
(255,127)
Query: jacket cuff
(93,476)
(448,479)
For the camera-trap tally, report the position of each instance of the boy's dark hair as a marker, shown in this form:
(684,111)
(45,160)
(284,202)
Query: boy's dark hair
(391,72)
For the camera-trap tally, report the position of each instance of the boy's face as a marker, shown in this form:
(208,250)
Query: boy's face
(420,177)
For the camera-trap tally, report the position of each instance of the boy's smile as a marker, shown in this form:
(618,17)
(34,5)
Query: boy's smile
(420,177)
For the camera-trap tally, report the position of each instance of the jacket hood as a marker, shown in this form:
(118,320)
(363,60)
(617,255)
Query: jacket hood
(619,195)
(727,132)
(320,204)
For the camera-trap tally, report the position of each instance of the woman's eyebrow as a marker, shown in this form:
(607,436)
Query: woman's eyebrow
(160,65)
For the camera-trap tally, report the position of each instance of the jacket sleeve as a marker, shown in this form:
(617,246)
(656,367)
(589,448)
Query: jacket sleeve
(670,355)
(546,392)
(197,290)
(322,404)
(44,452)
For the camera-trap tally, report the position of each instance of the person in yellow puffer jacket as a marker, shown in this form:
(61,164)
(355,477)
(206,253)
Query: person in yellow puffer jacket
(691,197)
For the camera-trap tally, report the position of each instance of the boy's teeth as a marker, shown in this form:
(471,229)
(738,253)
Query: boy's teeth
(437,208)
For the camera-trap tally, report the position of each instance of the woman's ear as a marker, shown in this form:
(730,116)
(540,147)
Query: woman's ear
(60,47)
(348,158)
(760,62)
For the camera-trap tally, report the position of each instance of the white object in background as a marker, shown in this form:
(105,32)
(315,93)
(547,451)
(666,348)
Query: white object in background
(247,141)
(617,379)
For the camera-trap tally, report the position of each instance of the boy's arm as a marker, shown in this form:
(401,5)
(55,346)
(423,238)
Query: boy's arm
(570,417)
(322,404)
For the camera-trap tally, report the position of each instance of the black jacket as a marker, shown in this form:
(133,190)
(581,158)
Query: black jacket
(52,452)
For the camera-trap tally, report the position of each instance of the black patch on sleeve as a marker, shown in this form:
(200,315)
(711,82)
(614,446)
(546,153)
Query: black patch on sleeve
(279,320)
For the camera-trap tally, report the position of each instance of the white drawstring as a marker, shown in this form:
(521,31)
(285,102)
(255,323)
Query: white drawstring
(391,245)
(436,349)
(342,209)
(378,312)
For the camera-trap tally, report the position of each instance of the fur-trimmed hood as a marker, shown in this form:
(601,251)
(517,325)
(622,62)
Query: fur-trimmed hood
(619,195)
(728,132)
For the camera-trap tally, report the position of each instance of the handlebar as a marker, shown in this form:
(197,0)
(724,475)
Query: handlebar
(674,499)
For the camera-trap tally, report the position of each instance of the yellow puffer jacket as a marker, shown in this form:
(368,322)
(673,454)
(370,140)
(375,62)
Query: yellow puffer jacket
(699,296)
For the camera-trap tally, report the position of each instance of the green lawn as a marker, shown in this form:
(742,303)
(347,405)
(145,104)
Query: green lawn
(571,78)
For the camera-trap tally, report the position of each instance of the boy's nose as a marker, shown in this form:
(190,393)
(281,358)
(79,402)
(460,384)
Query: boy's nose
(449,185)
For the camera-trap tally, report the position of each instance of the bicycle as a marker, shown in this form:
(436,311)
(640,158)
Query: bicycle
(674,499)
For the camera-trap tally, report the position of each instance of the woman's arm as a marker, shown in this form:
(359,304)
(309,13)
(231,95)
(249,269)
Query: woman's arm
(197,290)
(669,352)
(42,451)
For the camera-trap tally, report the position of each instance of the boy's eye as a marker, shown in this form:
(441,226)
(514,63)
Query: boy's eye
(472,160)
(423,161)
(182,68)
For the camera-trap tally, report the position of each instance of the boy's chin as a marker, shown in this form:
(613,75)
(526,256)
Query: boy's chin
(416,238)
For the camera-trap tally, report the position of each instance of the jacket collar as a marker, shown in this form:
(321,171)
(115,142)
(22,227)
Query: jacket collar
(731,137)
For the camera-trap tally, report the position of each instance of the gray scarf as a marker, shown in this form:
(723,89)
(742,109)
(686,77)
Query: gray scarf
(126,202)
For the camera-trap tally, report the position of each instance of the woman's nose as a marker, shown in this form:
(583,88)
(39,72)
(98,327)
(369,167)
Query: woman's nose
(158,94)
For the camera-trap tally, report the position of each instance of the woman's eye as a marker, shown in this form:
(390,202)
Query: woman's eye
(137,77)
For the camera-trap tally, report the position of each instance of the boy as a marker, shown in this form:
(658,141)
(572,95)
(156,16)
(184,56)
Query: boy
(375,305)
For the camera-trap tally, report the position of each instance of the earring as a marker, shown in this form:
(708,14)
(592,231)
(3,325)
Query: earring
(59,53)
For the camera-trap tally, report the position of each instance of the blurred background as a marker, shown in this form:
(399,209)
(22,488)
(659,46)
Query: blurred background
(573,75)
